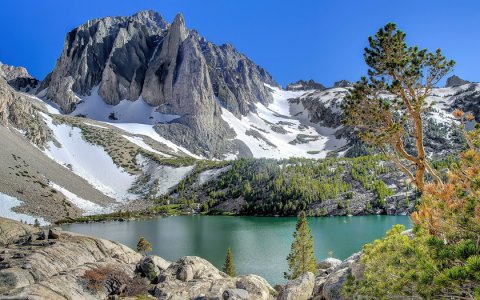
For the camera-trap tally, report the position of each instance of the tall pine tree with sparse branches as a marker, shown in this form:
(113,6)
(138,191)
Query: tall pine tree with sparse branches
(229,266)
(387,107)
(301,258)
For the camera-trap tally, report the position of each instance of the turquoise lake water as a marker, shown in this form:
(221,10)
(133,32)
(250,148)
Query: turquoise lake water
(260,245)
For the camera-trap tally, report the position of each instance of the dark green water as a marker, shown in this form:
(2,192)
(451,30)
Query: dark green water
(259,244)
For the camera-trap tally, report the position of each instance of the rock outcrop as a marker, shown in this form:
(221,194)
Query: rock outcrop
(328,284)
(303,85)
(17,111)
(454,80)
(191,277)
(328,263)
(38,265)
(237,82)
(18,78)
(468,100)
(333,274)
(324,107)
(300,288)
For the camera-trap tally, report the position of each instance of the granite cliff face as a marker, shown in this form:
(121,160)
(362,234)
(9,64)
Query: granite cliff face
(112,52)
(169,67)
(236,80)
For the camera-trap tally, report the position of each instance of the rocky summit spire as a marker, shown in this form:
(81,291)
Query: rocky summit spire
(455,81)
(179,26)
(158,86)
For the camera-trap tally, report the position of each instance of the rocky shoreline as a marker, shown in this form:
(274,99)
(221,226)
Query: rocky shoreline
(37,263)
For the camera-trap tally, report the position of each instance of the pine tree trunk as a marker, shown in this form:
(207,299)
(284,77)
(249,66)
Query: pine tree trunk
(420,172)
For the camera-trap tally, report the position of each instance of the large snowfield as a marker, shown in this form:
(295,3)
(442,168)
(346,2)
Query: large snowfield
(94,107)
(88,161)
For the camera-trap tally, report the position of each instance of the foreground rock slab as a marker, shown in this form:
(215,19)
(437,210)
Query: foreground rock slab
(300,288)
(35,268)
(193,277)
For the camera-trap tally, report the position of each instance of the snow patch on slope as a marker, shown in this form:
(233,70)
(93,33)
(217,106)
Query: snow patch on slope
(209,175)
(135,117)
(88,207)
(138,111)
(274,132)
(280,104)
(167,176)
(95,125)
(442,101)
(8,202)
(147,130)
(88,161)
(140,143)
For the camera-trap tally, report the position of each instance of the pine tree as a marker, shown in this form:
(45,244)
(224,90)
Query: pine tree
(229,266)
(144,246)
(387,107)
(36,223)
(301,258)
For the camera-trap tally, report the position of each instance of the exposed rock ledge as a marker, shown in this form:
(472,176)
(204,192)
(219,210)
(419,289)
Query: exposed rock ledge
(34,266)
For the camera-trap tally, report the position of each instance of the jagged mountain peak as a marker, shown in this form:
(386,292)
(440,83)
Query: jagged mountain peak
(149,14)
(303,85)
(168,66)
(454,80)
(342,84)
(179,19)
(150,18)
(179,27)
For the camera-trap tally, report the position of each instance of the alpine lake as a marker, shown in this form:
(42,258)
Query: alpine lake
(260,245)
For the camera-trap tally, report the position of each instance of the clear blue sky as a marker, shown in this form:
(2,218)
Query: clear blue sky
(293,40)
